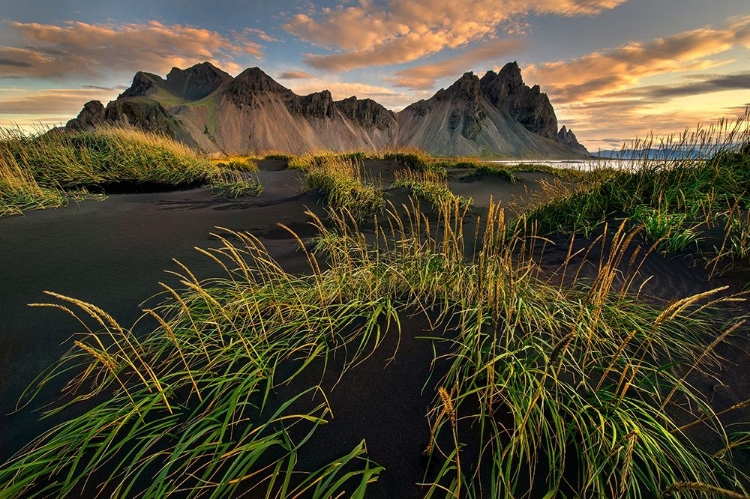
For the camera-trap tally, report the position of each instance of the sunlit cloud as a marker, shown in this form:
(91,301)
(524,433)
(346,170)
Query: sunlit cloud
(77,49)
(62,102)
(341,90)
(600,73)
(424,76)
(605,89)
(706,84)
(295,75)
(369,34)
(261,34)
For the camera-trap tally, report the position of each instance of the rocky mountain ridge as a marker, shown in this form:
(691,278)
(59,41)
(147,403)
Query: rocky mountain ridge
(497,115)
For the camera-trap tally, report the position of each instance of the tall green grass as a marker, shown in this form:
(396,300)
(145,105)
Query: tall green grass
(673,196)
(428,186)
(35,170)
(343,186)
(19,190)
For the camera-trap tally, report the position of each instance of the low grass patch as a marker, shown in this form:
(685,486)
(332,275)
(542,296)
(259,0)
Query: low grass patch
(233,184)
(275,156)
(340,182)
(493,170)
(430,187)
(310,161)
(237,163)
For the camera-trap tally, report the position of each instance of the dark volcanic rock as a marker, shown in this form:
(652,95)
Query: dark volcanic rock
(144,84)
(317,105)
(529,106)
(91,116)
(466,94)
(196,82)
(252,83)
(568,138)
(366,113)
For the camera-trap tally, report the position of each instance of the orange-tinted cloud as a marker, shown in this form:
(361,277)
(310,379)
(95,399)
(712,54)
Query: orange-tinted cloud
(424,76)
(600,73)
(295,75)
(407,30)
(82,49)
(341,90)
(63,102)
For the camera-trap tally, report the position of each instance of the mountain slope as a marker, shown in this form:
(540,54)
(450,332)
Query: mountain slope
(210,110)
(482,118)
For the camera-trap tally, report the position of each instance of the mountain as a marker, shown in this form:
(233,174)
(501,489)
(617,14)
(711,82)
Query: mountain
(210,110)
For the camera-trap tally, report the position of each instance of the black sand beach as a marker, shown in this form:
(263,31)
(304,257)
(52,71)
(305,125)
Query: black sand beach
(114,252)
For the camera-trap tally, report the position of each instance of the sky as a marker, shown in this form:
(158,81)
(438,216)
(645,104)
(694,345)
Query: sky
(614,70)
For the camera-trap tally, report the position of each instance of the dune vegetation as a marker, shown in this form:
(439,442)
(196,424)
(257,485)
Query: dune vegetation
(44,169)
(562,382)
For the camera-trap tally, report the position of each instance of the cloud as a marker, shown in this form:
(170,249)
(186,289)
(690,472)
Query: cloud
(261,34)
(710,83)
(63,102)
(597,74)
(11,62)
(424,76)
(295,75)
(341,90)
(369,34)
(601,94)
(80,49)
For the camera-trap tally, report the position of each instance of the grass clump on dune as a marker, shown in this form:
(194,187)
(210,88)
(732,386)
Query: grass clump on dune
(39,171)
(189,408)
(19,190)
(340,182)
(429,187)
(234,184)
(106,155)
(672,196)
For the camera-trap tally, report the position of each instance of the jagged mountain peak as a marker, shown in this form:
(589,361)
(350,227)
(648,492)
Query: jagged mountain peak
(256,80)
(566,137)
(465,88)
(507,91)
(366,113)
(196,82)
(144,84)
(495,115)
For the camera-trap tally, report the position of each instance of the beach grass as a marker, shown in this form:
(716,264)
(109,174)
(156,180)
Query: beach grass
(341,182)
(428,186)
(236,183)
(36,171)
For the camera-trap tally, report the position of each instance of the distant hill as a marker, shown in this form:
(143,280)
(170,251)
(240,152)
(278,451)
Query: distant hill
(665,153)
(210,110)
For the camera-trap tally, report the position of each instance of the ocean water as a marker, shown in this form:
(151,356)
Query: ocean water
(582,164)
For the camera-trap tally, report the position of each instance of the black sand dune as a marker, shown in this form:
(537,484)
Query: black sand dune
(114,252)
